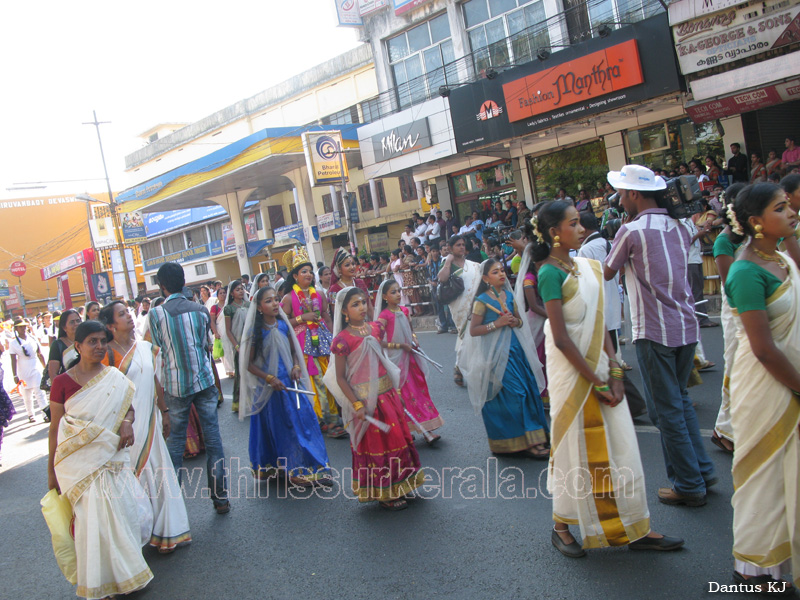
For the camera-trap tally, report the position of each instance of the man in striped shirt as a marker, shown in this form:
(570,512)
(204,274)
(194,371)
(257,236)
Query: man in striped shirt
(654,248)
(181,329)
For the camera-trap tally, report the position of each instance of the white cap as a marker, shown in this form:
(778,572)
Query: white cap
(636,177)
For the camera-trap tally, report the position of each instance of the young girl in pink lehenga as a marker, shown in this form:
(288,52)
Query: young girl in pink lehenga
(413,372)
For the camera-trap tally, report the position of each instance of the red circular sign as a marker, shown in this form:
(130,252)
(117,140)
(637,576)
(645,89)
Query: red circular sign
(18,268)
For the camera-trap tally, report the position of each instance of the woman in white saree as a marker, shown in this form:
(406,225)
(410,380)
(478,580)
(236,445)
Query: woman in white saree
(595,475)
(90,437)
(763,290)
(457,265)
(234,314)
(150,459)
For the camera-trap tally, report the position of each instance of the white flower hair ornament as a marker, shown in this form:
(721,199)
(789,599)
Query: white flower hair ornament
(736,227)
(535,223)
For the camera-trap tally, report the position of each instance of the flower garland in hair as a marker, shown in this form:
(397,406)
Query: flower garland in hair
(535,223)
(736,227)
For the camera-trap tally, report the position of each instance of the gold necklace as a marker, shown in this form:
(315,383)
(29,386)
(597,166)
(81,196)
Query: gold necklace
(573,268)
(364,330)
(770,258)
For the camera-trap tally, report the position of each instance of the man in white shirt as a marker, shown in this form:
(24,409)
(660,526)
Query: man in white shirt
(419,232)
(433,230)
(467,228)
(407,235)
(24,350)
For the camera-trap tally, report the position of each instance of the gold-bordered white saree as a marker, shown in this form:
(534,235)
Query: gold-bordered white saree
(111,512)
(765,416)
(595,475)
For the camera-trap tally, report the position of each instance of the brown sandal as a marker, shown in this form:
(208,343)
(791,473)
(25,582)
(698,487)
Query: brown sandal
(399,504)
(536,453)
(720,442)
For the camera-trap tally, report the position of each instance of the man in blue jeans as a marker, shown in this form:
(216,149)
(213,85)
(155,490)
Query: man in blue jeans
(654,249)
(180,328)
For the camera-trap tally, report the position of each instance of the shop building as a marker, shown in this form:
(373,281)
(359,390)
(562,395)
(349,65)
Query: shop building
(742,64)
(237,209)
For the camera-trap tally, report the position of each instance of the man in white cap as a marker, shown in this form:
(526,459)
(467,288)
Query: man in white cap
(653,247)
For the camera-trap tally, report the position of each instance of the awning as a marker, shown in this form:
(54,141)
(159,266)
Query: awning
(259,160)
(744,101)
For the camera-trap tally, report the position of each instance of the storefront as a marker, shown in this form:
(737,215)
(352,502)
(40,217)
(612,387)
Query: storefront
(565,119)
(742,62)
(479,188)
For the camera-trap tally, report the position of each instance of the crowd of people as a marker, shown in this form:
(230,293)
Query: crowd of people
(534,299)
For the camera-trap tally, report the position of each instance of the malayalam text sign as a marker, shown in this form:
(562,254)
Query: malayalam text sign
(579,80)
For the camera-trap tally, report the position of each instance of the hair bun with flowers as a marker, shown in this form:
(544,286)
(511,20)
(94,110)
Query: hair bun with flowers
(736,227)
(535,224)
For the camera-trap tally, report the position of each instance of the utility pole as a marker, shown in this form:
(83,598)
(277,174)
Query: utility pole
(112,206)
(351,229)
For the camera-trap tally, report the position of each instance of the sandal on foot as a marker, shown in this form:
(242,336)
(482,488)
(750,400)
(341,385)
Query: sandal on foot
(723,444)
(399,504)
(536,453)
(223,509)
(435,437)
(336,432)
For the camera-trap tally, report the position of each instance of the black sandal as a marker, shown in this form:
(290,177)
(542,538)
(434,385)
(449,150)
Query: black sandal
(398,504)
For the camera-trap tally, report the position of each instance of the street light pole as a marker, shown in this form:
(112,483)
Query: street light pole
(112,207)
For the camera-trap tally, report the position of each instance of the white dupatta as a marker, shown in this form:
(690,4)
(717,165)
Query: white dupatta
(277,348)
(362,365)
(401,334)
(530,320)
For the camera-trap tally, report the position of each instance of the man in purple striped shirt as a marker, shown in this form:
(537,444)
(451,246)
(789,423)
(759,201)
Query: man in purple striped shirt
(654,248)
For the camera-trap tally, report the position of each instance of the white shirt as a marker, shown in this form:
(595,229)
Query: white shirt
(406,237)
(466,229)
(597,249)
(419,232)
(695,257)
(26,365)
(433,231)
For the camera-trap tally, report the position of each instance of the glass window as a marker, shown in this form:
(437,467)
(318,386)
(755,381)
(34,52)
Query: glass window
(201,269)
(685,141)
(498,7)
(418,38)
(196,237)
(475,12)
(440,28)
(370,111)
(580,167)
(408,189)
(365,197)
(259,221)
(419,58)
(174,243)
(215,232)
(151,250)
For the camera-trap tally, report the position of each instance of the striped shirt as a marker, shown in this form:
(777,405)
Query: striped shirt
(655,248)
(182,334)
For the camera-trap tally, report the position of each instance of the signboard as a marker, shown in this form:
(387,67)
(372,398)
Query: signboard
(250,227)
(347,13)
(735,104)
(482,114)
(133,228)
(322,157)
(206,250)
(352,206)
(13,298)
(401,6)
(329,221)
(102,287)
(73,261)
(402,140)
(18,268)
(4,293)
(228,239)
(289,234)
(736,33)
(366,7)
(686,10)
(378,242)
(103,233)
(591,76)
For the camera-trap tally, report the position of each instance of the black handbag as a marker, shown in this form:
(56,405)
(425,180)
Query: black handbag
(45,384)
(451,289)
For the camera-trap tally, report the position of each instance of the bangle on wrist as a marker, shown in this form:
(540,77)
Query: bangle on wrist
(127,421)
(602,388)
(269,378)
(358,405)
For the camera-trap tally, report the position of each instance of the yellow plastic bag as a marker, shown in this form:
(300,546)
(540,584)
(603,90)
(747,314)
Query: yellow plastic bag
(57,511)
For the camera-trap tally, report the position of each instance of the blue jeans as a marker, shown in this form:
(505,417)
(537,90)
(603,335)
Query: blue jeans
(665,373)
(205,402)
(443,313)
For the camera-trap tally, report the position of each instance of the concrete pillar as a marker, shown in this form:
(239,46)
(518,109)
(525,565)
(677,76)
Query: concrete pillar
(373,190)
(420,193)
(443,194)
(234,202)
(615,151)
(523,180)
(734,133)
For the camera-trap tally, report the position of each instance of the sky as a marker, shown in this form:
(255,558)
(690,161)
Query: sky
(138,64)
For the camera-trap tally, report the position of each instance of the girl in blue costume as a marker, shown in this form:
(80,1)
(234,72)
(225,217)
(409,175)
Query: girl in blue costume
(502,370)
(284,432)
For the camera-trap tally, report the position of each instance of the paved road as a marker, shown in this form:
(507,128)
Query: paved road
(459,543)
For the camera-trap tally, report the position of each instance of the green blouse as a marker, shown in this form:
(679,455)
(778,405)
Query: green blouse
(723,246)
(749,285)
(551,279)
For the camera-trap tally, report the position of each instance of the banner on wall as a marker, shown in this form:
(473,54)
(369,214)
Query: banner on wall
(250,228)
(322,157)
(347,13)
(103,233)
(133,227)
(289,234)
(329,221)
(228,239)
